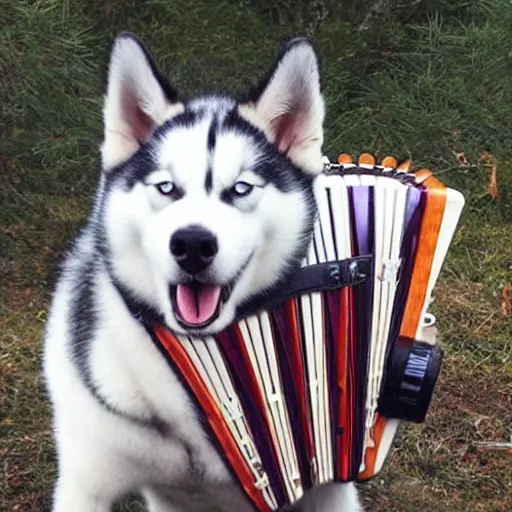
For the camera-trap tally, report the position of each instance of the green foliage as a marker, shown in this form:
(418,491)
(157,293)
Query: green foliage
(427,79)
(458,10)
(309,14)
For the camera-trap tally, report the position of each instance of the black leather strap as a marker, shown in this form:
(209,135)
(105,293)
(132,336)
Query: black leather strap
(330,275)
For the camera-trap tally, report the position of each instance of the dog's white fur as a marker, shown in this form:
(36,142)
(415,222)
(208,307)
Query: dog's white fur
(130,85)
(102,454)
(279,103)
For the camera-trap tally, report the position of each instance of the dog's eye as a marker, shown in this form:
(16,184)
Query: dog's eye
(242,189)
(166,187)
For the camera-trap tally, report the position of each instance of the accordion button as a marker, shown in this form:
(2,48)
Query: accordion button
(344,158)
(389,162)
(405,166)
(422,175)
(366,159)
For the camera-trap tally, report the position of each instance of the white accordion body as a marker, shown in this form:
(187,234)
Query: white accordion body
(313,389)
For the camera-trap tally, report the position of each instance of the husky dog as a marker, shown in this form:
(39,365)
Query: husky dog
(201,205)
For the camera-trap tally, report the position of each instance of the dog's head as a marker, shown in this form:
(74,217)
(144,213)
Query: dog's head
(209,201)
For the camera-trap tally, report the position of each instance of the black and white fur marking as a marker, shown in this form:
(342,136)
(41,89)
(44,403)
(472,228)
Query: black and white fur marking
(236,172)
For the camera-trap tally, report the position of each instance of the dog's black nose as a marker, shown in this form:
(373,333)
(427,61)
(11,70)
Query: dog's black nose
(193,248)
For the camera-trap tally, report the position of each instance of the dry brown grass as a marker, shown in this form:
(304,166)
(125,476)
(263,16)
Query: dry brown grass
(433,90)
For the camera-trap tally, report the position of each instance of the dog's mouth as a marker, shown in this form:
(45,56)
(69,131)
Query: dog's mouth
(197,305)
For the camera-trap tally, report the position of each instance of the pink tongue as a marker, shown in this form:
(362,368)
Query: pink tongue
(197,305)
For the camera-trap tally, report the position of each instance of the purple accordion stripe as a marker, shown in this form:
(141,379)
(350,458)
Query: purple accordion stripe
(362,207)
(415,206)
(332,325)
(363,222)
(230,348)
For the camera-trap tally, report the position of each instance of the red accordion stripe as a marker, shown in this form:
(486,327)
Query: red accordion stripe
(213,415)
(344,414)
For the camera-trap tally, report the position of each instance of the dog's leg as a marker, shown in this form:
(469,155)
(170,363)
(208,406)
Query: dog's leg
(198,498)
(91,478)
(340,497)
(329,498)
(72,495)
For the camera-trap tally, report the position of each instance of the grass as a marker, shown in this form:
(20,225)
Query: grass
(435,88)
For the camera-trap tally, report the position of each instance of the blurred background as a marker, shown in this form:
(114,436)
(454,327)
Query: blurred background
(429,80)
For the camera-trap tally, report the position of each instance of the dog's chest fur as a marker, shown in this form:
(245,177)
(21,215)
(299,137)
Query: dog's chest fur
(133,399)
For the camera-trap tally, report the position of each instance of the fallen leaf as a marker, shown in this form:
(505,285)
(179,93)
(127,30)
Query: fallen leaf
(493,183)
(461,158)
(506,305)
(15,482)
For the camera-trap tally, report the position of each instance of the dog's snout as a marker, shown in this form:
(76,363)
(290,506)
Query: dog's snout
(193,248)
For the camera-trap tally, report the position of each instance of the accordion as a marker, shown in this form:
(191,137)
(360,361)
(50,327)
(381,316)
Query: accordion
(311,388)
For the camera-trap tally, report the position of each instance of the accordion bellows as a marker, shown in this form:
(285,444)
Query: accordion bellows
(313,389)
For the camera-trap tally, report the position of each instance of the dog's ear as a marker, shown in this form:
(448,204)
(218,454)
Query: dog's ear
(289,106)
(138,100)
